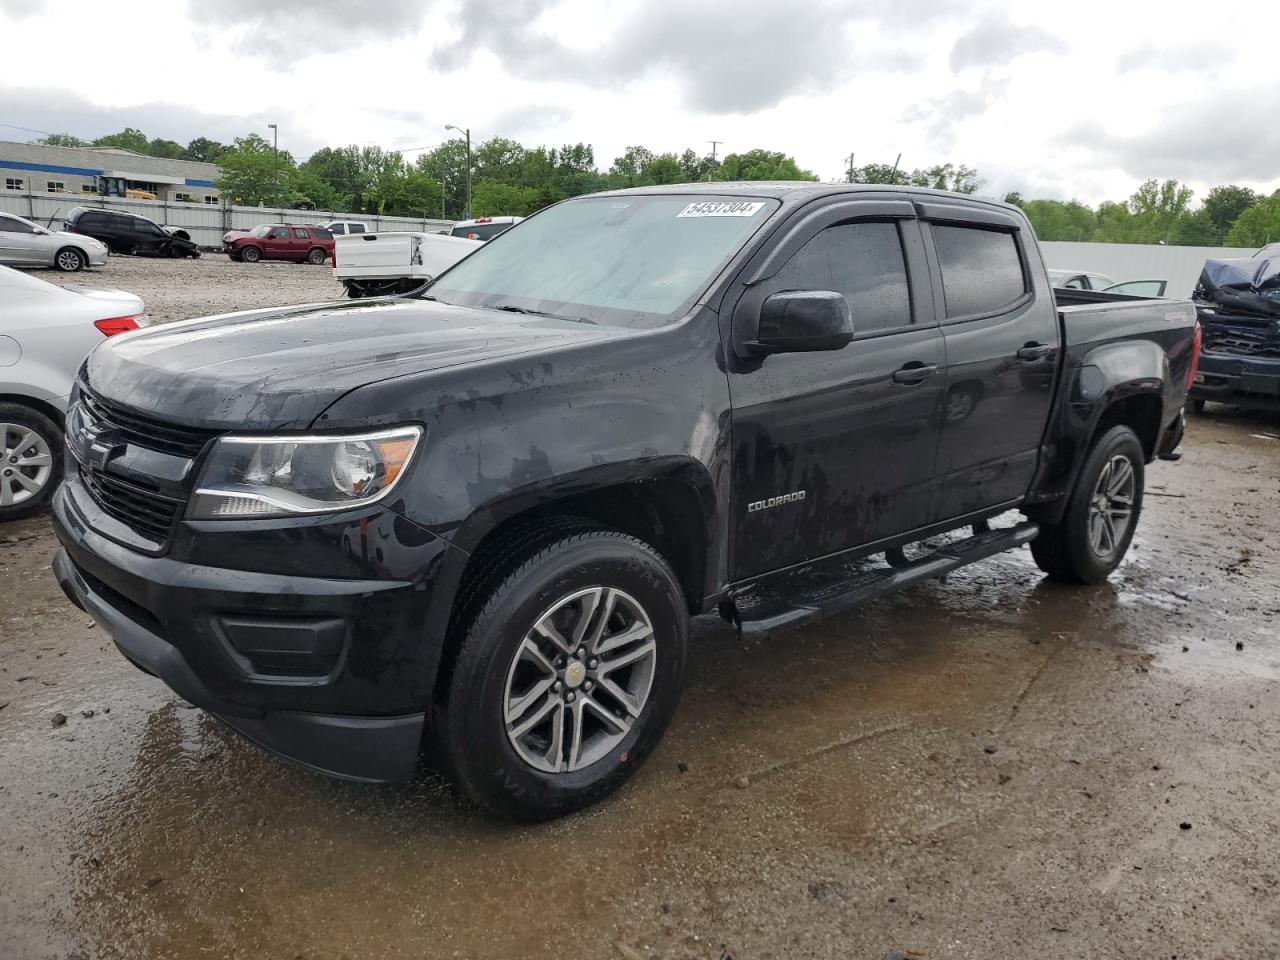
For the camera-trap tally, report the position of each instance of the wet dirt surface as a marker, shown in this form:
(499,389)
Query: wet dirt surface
(990,766)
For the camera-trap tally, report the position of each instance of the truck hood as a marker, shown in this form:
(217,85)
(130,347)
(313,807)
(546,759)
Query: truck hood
(279,369)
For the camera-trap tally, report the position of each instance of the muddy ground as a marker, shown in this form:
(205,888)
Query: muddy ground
(986,767)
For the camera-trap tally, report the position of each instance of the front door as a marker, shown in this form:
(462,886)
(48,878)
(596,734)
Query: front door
(833,450)
(19,243)
(1001,337)
(278,244)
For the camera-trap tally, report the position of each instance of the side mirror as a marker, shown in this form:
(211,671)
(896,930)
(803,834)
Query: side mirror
(800,321)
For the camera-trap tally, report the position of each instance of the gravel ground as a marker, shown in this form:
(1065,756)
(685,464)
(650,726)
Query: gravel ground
(986,767)
(180,289)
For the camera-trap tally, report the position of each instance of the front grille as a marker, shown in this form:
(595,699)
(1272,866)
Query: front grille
(1243,339)
(143,511)
(145,432)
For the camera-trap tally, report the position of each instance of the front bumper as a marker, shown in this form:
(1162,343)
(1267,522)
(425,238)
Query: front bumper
(1244,381)
(333,672)
(97,255)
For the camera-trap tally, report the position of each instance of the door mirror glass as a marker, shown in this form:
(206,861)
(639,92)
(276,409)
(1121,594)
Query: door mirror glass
(799,321)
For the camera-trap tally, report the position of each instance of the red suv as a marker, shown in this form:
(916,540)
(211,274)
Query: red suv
(280,241)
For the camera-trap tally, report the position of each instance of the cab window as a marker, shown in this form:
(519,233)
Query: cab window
(863,261)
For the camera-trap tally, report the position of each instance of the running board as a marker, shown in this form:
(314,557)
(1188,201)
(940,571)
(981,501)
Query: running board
(818,592)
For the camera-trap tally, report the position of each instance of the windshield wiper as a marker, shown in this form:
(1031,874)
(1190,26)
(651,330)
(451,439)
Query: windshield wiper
(512,308)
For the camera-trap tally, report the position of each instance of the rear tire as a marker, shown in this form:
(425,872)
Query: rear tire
(1196,406)
(1101,516)
(591,720)
(70,260)
(30,460)
(316,256)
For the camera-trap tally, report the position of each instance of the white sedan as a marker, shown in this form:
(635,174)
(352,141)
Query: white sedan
(27,244)
(45,333)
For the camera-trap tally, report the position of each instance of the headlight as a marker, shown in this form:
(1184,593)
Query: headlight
(251,477)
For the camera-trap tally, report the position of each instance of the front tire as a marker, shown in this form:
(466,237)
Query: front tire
(250,254)
(1101,516)
(30,460)
(567,676)
(70,260)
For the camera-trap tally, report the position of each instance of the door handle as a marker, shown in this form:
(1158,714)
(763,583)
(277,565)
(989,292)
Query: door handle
(1034,351)
(914,372)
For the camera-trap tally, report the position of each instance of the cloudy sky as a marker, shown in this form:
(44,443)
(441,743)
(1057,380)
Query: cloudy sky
(1081,99)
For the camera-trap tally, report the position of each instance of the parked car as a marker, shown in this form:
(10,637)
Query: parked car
(24,243)
(1074,280)
(129,233)
(343,228)
(1238,302)
(45,332)
(1079,280)
(378,264)
(497,505)
(1153,289)
(299,242)
(483,228)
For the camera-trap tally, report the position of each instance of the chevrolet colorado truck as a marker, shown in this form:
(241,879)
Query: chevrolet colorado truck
(481,517)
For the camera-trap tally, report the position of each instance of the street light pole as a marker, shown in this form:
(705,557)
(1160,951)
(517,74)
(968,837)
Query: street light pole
(467,133)
(275,161)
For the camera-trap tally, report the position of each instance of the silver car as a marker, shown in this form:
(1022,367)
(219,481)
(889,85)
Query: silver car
(45,333)
(27,244)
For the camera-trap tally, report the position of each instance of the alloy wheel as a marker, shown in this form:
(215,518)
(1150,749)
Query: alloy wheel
(26,463)
(1111,507)
(69,261)
(579,679)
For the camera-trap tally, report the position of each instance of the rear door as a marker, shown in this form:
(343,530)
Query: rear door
(1002,350)
(834,450)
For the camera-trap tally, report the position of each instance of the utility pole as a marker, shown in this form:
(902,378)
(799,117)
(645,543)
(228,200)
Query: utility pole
(849,175)
(711,169)
(467,133)
(275,161)
(895,168)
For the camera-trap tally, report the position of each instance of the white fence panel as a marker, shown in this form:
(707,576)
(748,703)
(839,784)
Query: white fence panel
(206,223)
(1181,266)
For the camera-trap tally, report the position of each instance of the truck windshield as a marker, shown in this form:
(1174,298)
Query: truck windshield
(634,260)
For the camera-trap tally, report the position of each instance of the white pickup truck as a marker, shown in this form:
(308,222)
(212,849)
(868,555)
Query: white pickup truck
(380,264)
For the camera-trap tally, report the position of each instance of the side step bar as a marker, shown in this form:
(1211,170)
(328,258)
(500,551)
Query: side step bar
(818,592)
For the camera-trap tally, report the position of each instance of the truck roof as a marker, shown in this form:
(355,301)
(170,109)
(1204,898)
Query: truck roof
(795,192)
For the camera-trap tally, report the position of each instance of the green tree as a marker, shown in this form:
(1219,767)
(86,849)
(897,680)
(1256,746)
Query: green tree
(1055,220)
(946,176)
(761,165)
(306,187)
(252,173)
(1223,205)
(1014,197)
(203,150)
(129,138)
(1151,215)
(1258,225)
(168,149)
(493,199)
(62,140)
(942,176)
(1196,230)
(628,169)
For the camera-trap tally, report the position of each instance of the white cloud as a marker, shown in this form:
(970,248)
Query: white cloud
(1081,99)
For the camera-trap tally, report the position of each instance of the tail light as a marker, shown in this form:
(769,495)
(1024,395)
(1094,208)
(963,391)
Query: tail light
(113,325)
(1195,354)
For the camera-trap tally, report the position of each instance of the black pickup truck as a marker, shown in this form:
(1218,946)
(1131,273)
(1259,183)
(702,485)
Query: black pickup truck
(483,515)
